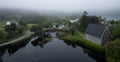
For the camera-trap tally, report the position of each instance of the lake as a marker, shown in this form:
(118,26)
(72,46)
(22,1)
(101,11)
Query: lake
(55,50)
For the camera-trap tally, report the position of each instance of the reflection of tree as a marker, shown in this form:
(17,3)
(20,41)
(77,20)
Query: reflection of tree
(35,41)
(71,43)
(98,57)
(1,55)
(13,48)
(40,43)
(40,40)
(2,51)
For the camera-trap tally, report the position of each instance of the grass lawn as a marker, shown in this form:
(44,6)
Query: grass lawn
(1,26)
(30,25)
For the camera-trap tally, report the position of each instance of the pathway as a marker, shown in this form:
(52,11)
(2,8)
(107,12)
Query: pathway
(27,34)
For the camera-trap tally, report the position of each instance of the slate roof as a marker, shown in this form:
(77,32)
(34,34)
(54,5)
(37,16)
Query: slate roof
(95,30)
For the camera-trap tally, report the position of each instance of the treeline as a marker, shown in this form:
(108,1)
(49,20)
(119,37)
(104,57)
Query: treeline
(39,27)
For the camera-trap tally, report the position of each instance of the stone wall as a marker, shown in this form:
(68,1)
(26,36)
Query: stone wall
(93,39)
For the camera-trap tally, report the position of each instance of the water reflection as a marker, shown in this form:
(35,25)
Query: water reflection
(74,45)
(63,50)
(39,42)
(98,57)
(1,55)
(12,48)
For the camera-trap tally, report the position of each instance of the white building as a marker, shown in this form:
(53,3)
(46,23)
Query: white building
(10,22)
(72,21)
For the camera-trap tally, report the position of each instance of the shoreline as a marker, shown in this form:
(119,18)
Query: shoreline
(83,42)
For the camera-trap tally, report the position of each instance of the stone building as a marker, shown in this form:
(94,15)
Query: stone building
(98,34)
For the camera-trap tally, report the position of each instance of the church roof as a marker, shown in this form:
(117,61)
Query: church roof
(95,30)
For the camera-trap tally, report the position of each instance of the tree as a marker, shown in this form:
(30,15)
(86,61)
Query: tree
(116,31)
(113,51)
(20,29)
(13,26)
(10,28)
(36,28)
(112,22)
(85,20)
(22,22)
(85,13)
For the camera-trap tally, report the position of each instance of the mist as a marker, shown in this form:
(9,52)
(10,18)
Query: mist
(93,7)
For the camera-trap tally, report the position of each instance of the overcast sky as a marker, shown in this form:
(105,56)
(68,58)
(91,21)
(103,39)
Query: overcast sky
(62,5)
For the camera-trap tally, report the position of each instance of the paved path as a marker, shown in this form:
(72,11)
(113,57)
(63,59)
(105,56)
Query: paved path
(27,34)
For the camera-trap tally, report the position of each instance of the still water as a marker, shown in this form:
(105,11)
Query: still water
(55,50)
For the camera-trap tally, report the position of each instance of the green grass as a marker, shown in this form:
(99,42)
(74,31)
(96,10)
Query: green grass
(13,36)
(1,26)
(30,25)
(5,36)
(85,43)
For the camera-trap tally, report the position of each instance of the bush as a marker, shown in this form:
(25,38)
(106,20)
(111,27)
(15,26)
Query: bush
(113,51)
(116,31)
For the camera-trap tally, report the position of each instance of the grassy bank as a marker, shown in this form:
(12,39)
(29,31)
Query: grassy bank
(85,43)
(23,40)
(8,36)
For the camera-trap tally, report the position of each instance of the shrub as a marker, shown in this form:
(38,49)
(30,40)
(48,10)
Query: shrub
(116,31)
(113,51)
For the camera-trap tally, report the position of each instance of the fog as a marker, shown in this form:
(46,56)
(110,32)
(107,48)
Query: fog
(99,7)
(62,5)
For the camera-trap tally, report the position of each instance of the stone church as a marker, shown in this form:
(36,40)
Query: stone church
(98,34)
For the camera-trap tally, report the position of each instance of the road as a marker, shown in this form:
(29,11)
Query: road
(27,34)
